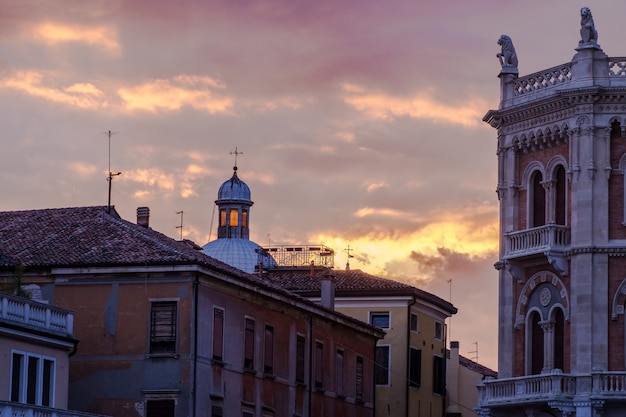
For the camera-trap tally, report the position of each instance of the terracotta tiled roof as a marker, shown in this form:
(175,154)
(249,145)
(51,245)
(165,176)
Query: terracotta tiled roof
(87,236)
(352,282)
(476,367)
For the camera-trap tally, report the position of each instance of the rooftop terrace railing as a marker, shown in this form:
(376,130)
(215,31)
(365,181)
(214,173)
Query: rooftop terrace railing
(36,315)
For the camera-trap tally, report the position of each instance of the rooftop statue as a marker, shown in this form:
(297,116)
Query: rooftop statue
(588,32)
(508,57)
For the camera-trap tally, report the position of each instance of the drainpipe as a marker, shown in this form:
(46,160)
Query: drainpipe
(408,354)
(195,346)
(310,365)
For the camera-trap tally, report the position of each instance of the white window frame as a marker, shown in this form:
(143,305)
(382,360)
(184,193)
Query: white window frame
(417,322)
(39,376)
(440,336)
(372,314)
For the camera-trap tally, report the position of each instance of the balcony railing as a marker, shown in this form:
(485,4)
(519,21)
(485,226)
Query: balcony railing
(36,315)
(556,385)
(11,409)
(551,237)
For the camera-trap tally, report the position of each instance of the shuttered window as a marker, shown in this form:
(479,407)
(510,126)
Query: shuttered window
(300,346)
(163,327)
(268,366)
(248,358)
(218,334)
(359,378)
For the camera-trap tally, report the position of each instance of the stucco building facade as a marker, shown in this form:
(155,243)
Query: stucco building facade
(168,331)
(561,163)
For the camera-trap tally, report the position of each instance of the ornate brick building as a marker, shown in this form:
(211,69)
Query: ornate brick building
(562,268)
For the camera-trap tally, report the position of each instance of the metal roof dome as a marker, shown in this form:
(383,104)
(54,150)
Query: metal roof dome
(234,189)
(240,253)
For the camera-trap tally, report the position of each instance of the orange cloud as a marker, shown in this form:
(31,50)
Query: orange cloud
(104,37)
(421,106)
(82,95)
(172,94)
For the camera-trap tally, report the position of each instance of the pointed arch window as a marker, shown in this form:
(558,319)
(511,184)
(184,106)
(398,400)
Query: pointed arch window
(535,345)
(560,196)
(537,201)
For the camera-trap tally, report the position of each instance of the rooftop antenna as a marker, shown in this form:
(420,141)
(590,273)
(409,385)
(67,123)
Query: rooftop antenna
(111,174)
(269,240)
(450,319)
(348,250)
(475,351)
(181,223)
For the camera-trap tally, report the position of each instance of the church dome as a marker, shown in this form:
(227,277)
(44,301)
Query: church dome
(234,189)
(240,253)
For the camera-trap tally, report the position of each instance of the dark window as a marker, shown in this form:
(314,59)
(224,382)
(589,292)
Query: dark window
(160,408)
(381,371)
(359,378)
(216,411)
(538,201)
(559,339)
(438,330)
(414,324)
(536,353)
(32,379)
(319,365)
(439,375)
(218,334)
(300,346)
(31,384)
(16,377)
(415,367)
(616,129)
(339,375)
(47,382)
(163,327)
(560,196)
(380,320)
(248,358)
(268,365)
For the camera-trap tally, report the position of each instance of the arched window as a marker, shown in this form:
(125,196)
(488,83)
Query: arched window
(538,201)
(559,339)
(536,344)
(560,191)
(616,129)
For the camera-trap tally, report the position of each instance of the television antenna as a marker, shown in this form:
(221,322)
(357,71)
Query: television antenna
(111,174)
(475,352)
(181,223)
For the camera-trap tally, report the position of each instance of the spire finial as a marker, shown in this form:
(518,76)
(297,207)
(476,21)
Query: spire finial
(236,153)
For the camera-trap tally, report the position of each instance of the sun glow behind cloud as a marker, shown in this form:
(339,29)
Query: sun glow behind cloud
(104,37)
(197,92)
(82,95)
(385,106)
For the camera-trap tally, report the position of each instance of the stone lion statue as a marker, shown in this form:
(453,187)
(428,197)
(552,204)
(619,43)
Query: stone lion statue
(588,32)
(508,57)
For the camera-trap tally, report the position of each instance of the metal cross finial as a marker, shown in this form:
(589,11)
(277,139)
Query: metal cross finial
(236,152)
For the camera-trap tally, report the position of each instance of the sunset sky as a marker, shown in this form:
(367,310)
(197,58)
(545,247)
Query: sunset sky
(359,122)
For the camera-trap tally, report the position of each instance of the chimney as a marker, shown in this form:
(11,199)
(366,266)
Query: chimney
(328,290)
(143,216)
(453,383)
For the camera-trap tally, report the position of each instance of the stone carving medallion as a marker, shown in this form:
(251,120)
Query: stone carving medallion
(545,296)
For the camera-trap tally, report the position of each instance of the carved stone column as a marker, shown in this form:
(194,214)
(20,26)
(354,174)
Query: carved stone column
(548,345)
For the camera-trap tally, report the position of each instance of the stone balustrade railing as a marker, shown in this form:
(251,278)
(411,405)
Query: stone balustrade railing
(549,78)
(559,76)
(537,239)
(11,409)
(37,315)
(547,387)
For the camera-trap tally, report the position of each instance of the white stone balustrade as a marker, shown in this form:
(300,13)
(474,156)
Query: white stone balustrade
(36,315)
(546,79)
(548,387)
(536,240)
(11,409)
